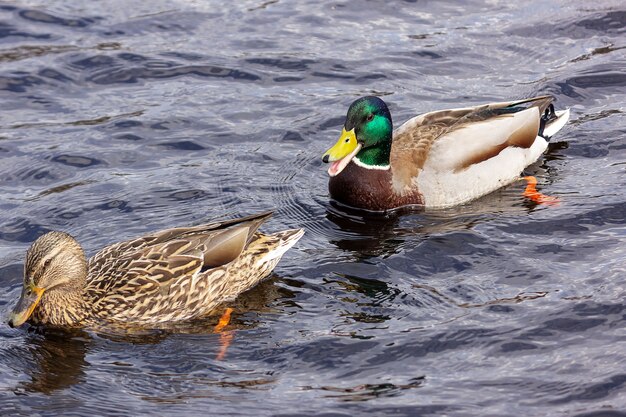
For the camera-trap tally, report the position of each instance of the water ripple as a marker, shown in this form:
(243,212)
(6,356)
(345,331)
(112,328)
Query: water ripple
(118,121)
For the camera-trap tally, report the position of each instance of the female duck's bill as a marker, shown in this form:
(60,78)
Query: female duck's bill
(31,295)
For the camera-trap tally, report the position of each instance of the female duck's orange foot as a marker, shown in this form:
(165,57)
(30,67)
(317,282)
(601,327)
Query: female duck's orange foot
(531,192)
(224,320)
(225,337)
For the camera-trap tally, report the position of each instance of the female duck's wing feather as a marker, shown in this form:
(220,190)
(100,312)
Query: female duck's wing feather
(163,277)
(170,282)
(116,250)
(458,138)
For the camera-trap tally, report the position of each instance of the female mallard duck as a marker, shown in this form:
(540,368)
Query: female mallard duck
(438,159)
(168,276)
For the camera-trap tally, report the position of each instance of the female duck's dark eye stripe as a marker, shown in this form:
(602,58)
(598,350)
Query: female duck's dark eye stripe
(47,262)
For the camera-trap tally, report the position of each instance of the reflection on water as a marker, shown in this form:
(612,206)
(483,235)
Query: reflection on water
(120,120)
(368,391)
(370,234)
(56,361)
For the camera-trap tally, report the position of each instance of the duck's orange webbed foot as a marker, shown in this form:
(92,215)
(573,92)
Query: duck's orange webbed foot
(224,320)
(225,337)
(531,192)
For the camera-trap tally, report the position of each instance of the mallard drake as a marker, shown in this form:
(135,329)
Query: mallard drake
(168,276)
(439,159)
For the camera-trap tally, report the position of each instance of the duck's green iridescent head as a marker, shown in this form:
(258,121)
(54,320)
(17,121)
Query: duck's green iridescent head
(366,135)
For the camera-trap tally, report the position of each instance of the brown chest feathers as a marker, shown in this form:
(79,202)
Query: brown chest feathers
(61,309)
(369,189)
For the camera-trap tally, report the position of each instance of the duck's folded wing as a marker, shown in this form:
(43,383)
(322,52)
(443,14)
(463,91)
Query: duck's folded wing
(163,280)
(458,138)
(128,247)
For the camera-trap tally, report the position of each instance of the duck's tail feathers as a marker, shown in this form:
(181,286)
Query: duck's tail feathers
(256,263)
(552,121)
(283,242)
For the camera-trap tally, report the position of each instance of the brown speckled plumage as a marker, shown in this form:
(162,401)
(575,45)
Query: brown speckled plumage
(169,276)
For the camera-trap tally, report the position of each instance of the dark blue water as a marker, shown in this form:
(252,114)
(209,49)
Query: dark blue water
(119,118)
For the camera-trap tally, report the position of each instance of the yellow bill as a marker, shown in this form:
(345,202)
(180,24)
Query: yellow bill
(342,152)
(31,295)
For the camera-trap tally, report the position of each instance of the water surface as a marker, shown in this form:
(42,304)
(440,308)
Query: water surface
(120,118)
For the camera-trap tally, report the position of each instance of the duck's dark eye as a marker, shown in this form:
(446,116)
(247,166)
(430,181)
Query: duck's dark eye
(370,117)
